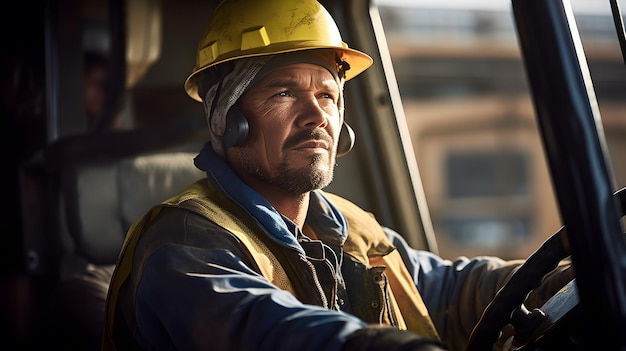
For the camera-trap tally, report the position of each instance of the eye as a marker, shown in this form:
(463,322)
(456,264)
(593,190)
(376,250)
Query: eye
(284,94)
(329,96)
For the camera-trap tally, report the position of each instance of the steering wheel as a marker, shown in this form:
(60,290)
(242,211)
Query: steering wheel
(507,307)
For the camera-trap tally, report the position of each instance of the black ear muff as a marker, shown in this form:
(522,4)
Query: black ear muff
(346,139)
(236,130)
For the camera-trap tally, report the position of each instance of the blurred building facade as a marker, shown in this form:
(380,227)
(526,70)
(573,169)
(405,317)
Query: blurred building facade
(472,122)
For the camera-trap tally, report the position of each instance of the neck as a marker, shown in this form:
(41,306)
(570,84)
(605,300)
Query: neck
(294,207)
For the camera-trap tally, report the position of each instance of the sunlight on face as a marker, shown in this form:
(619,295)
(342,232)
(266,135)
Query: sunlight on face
(294,126)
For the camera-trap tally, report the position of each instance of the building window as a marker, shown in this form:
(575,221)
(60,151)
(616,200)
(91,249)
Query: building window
(491,232)
(487,174)
(490,181)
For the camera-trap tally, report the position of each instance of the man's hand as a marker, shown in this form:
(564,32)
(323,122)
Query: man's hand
(385,338)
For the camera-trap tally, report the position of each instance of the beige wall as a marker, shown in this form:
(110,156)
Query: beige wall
(434,49)
(488,123)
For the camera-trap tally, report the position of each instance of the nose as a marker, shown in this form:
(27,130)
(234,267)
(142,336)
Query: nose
(311,114)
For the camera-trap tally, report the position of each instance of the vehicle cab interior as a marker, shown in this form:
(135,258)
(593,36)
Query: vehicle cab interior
(97,128)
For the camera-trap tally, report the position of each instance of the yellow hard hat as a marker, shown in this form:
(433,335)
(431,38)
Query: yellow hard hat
(246,28)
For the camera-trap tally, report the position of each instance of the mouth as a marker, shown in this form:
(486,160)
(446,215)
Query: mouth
(315,142)
(319,145)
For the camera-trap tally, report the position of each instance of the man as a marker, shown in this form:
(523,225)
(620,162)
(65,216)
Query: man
(256,256)
(95,81)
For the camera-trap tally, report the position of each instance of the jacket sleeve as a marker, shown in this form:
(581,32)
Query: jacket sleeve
(457,291)
(196,291)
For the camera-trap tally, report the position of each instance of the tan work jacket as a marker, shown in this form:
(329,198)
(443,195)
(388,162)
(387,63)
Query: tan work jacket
(401,305)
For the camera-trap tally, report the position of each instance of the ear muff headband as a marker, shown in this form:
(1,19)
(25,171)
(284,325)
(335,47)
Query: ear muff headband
(346,139)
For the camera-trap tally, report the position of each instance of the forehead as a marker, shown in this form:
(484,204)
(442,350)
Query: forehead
(298,71)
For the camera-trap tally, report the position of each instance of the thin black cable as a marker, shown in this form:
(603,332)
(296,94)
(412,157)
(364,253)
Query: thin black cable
(619,27)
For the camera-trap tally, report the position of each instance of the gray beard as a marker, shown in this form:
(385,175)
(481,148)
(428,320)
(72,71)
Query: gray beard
(294,181)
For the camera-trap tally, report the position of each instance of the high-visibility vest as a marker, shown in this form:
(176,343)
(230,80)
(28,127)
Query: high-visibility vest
(366,242)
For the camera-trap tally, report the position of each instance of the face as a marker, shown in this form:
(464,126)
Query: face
(294,126)
(95,90)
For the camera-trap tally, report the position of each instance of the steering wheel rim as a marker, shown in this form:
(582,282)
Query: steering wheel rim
(529,276)
(512,295)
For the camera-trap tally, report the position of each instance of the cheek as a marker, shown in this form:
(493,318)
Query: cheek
(267,128)
(334,127)
(267,138)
